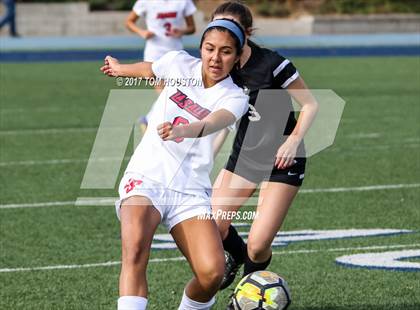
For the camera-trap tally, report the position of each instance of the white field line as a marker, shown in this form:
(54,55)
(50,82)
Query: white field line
(110,201)
(358,189)
(41,162)
(48,109)
(410,144)
(58,161)
(95,201)
(374,247)
(365,135)
(103,201)
(33,110)
(44,131)
(354,149)
(181,258)
(106,264)
(37,204)
(413,139)
(21,132)
(65,161)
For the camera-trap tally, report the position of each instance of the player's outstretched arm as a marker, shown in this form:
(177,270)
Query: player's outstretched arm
(210,124)
(113,67)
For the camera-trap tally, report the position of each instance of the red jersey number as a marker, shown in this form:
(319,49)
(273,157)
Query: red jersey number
(168,27)
(179,120)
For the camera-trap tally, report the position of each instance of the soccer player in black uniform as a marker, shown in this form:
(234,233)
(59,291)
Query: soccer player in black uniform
(268,150)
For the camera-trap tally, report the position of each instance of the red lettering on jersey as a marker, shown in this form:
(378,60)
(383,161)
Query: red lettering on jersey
(131,184)
(200,111)
(164,15)
(178,97)
(185,103)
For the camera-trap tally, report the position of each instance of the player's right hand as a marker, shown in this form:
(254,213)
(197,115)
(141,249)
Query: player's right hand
(111,66)
(175,33)
(148,35)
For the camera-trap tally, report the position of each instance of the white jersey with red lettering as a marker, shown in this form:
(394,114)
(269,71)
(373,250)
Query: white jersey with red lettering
(184,165)
(162,16)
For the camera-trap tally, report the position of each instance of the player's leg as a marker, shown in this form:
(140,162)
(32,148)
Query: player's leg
(139,220)
(230,192)
(199,241)
(273,203)
(7,17)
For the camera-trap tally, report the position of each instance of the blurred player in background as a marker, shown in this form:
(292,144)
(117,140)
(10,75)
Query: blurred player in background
(167,178)
(261,68)
(9,17)
(167,21)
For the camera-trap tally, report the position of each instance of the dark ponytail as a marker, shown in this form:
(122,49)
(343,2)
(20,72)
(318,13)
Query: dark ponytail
(237,9)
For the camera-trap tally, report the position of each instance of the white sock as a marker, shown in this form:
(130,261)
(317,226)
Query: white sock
(132,303)
(189,304)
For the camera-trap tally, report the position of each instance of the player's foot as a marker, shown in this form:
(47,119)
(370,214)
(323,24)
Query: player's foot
(231,269)
(142,124)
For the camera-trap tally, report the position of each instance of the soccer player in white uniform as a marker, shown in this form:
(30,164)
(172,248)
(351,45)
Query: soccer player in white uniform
(166,20)
(167,178)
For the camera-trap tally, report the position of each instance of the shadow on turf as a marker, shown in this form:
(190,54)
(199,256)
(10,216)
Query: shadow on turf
(364,307)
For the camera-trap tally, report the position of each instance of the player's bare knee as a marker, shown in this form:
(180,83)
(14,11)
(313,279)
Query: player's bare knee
(257,250)
(134,253)
(211,277)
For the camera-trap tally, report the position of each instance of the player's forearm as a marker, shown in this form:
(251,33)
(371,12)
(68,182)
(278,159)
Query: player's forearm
(305,120)
(211,124)
(189,30)
(130,24)
(309,108)
(192,130)
(190,25)
(133,28)
(139,69)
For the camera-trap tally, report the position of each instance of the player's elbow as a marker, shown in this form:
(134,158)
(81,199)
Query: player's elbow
(314,106)
(310,104)
(130,21)
(128,24)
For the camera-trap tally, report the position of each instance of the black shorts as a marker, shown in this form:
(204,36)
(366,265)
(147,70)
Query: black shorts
(292,175)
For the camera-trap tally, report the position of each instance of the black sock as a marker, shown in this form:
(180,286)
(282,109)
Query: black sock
(234,244)
(250,266)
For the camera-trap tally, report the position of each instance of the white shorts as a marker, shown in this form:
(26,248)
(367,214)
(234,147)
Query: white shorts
(174,207)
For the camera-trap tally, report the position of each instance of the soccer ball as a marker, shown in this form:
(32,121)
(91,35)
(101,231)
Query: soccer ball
(261,290)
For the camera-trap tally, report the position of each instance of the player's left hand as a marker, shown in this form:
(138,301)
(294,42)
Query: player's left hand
(286,153)
(175,32)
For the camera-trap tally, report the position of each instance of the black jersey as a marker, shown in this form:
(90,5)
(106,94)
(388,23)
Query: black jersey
(257,141)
